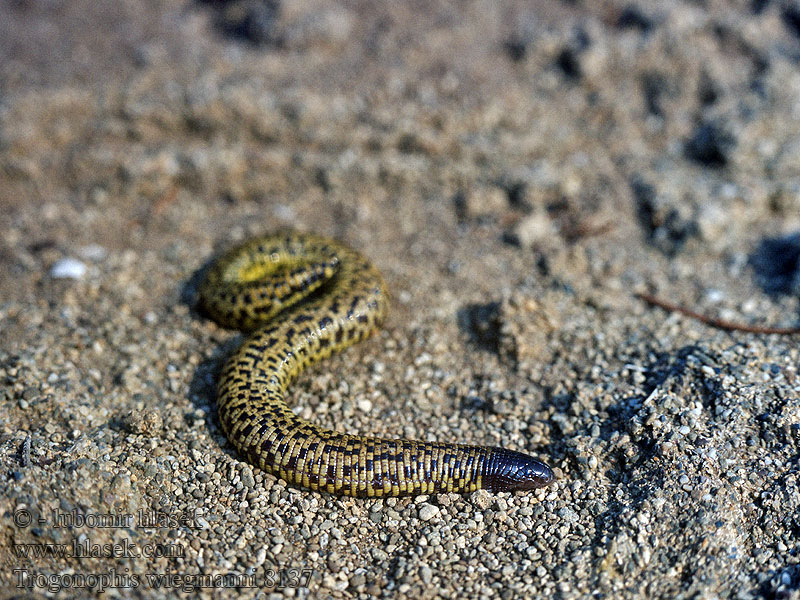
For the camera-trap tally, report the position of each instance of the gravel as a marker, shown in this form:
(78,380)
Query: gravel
(516,172)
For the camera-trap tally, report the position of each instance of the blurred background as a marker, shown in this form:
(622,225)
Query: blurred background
(517,170)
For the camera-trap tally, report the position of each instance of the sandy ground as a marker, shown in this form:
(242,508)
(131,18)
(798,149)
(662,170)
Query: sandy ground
(517,170)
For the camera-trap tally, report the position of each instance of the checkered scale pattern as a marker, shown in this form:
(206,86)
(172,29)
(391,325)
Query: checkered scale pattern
(303,297)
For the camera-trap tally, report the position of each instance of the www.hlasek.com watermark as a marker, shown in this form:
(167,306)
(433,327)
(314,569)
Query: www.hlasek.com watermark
(141,519)
(82,547)
(185,582)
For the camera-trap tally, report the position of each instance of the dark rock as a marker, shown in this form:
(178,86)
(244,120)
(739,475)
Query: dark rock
(632,17)
(251,20)
(776,263)
(654,87)
(569,64)
(710,145)
(758,6)
(516,49)
(664,226)
(791,17)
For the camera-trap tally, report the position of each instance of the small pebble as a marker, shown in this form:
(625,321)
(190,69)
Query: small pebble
(428,512)
(68,268)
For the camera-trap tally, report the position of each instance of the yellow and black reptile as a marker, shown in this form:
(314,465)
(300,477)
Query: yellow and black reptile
(303,297)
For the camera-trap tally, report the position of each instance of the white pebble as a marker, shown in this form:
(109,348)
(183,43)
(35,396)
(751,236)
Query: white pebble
(261,556)
(68,268)
(428,511)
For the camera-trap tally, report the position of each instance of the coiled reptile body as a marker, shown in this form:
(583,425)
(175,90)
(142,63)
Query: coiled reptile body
(305,297)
